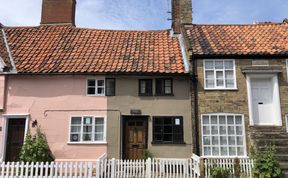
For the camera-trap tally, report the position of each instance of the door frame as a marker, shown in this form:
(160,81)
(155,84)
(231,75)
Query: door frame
(6,118)
(124,119)
(276,96)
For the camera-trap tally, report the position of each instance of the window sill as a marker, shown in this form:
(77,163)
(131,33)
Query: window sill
(87,143)
(216,157)
(165,143)
(144,95)
(95,95)
(164,94)
(223,89)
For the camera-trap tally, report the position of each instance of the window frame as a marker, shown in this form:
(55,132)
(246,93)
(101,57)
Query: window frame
(96,86)
(173,142)
(163,92)
(286,116)
(105,87)
(215,70)
(287,68)
(139,87)
(104,141)
(227,146)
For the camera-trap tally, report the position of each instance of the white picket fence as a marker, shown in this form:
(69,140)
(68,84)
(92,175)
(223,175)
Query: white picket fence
(104,168)
(246,165)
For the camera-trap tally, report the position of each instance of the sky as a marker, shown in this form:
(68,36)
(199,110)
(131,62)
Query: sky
(147,14)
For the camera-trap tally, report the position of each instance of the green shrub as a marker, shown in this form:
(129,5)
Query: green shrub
(219,172)
(147,154)
(35,148)
(265,163)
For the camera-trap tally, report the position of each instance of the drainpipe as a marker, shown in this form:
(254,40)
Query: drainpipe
(194,104)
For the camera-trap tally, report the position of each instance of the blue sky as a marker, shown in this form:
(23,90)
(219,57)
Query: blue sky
(147,14)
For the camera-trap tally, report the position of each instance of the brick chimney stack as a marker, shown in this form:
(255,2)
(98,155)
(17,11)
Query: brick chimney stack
(181,14)
(56,12)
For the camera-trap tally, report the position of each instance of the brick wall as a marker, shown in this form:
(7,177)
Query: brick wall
(236,101)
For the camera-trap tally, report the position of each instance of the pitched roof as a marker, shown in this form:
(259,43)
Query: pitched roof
(67,49)
(258,39)
(3,50)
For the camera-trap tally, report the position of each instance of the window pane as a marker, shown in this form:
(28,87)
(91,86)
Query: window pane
(220,82)
(222,130)
(240,151)
(223,140)
(75,137)
(87,128)
(239,130)
(168,129)
(218,64)
(99,120)
(91,91)
(75,128)
(219,75)
(214,120)
(232,151)
(229,83)
(209,65)
(214,130)
(99,137)
(100,83)
(229,65)
(206,120)
(210,83)
(76,120)
(230,119)
(91,83)
(229,74)
(142,87)
(99,128)
(168,90)
(209,75)
(167,138)
(207,151)
(100,91)
(238,119)
(222,120)
(87,137)
(206,130)
(231,140)
(224,151)
(231,130)
(87,120)
(167,83)
(206,140)
(110,87)
(215,140)
(215,151)
(240,140)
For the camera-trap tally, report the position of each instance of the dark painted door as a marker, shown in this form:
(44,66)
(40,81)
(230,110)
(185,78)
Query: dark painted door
(15,138)
(135,131)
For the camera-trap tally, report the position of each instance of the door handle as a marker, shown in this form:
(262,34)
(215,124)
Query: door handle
(260,103)
(135,145)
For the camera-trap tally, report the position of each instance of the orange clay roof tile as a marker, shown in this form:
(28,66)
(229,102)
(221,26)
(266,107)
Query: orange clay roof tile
(254,39)
(67,49)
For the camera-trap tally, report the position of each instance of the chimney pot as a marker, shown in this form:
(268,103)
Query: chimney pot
(58,12)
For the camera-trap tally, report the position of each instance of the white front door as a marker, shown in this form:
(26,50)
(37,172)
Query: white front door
(262,101)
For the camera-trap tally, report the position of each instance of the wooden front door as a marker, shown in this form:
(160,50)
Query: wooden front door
(15,138)
(135,136)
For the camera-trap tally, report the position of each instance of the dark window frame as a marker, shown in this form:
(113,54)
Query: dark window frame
(160,90)
(179,133)
(106,87)
(146,93)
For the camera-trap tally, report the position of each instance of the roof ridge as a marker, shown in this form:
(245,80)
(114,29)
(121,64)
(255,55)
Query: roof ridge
(257,24)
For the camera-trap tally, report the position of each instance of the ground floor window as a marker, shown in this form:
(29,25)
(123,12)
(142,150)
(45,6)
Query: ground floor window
(87,129)
(168,129)
(223,135)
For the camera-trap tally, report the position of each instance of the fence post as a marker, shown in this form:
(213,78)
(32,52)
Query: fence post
(113,172)
(202,168)
(148,168)
(237,167)
(98,168)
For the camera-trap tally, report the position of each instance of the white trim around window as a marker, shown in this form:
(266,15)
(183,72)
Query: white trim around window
(223,135)
(97,89)
(86,126)
(219,74)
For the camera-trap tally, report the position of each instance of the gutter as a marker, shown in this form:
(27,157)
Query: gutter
(9,52)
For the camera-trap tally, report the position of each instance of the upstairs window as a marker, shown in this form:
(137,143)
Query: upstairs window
(164,86)
(219,74)
(101,87)
(145,87)
(168,130)
(87,129)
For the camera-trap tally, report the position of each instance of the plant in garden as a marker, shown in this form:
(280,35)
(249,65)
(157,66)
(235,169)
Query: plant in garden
(147,154)
(35,148)
(219,172)
(265,163)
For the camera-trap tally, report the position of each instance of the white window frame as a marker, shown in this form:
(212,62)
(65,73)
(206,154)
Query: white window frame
(224,82)
(286,122)
(93,130)
(287,68)
(243,134)
(96,87)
